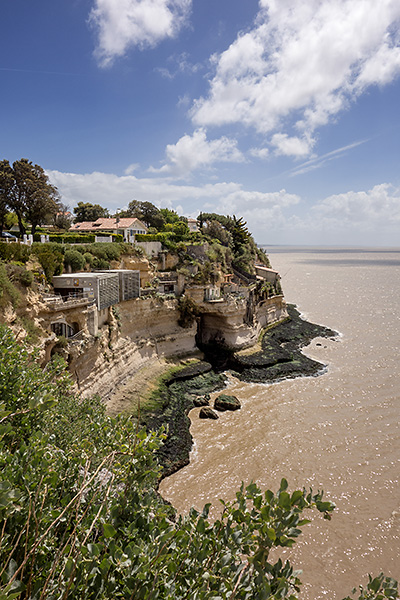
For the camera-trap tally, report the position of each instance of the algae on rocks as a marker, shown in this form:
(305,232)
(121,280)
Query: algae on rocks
(177,398)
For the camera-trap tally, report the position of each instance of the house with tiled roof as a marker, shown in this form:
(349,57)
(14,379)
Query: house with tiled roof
(127,226)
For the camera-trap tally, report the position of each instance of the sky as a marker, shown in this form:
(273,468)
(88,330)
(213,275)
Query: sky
(283,112)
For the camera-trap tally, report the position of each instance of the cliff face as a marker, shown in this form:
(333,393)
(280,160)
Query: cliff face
(141,333)
(146,330)
(237,324)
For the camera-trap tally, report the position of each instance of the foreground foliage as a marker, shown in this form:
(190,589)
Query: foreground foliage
(80,518)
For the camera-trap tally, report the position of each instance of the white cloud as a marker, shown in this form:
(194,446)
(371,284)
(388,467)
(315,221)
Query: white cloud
(262,153)
(379,206)
(291,146)
(195,151)
(122,24)
(300,65)
(179,64)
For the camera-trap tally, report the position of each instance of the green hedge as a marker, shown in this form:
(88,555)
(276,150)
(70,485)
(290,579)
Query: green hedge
(154,237)
(77,238)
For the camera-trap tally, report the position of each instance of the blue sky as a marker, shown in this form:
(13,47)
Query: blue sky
(283,112)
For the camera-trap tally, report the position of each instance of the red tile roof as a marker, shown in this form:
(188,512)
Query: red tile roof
(109,223)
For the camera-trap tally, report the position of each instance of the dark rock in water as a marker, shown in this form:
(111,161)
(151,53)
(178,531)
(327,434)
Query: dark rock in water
(202,401)
(207,413)
(225,402)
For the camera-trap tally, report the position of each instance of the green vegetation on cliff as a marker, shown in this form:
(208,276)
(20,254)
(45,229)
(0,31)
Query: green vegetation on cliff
(80,518)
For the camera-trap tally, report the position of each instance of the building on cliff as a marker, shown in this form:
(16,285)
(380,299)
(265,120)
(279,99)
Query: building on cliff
(128,227)
(106,288)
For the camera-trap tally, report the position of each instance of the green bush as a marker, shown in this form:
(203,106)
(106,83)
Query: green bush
(188,311)
(14,251)
(100,264)
(19,274)
(89,258)
(51,259)
(8,291)
(74,259)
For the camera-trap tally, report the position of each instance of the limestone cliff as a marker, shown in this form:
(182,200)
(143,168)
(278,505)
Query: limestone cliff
(147,329)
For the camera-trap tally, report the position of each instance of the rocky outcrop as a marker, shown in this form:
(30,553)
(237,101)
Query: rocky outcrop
(237,324)
(142,330)
(202,400)
(208,413)
(225,402)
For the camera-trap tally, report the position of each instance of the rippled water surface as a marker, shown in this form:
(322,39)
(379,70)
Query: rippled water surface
(339,431)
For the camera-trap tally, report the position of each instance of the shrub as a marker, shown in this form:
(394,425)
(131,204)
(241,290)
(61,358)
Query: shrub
(100,264)
(89,258)
(188,311)
(74,259)
(8,291)
(51,259)
(14,251)
(19,274)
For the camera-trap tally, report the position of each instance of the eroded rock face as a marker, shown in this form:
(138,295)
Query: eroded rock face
(227,324)
(208,413)
(225,402)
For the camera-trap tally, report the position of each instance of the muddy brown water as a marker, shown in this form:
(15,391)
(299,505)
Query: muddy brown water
(339,432)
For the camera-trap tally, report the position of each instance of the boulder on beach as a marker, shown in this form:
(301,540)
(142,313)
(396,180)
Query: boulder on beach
(224,402)
(202,400)
(207,413)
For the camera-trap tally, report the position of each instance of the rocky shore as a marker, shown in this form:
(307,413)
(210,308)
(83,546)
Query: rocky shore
(277,356)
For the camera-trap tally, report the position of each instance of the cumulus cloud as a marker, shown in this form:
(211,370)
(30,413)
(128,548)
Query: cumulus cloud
(364,209)
(122,24)
(300,65)
(291,146)
(196,151)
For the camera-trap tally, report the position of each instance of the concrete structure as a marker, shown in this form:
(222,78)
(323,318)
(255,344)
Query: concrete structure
(171,283)
(267,274)
(151,249)
(102,287)
(129,283)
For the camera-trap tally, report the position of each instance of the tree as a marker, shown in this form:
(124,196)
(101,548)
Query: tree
(6,182)
(146,212)
(63,218)
(26,190)
(85,211)
(170,216)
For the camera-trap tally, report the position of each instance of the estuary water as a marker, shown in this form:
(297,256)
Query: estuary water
(338,432)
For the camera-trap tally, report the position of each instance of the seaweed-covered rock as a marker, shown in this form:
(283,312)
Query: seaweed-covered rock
(202,400)
(224,402)
(199,367)
(208,413)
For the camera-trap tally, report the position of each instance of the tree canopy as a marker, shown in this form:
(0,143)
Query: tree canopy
(85,211)
(146,212)
(26,190)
